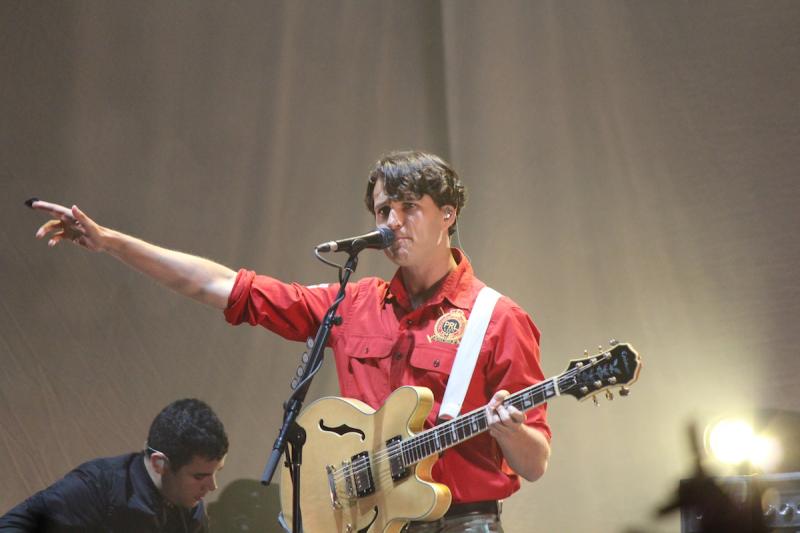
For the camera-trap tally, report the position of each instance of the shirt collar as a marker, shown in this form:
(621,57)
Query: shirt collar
(145,496)
(455,288)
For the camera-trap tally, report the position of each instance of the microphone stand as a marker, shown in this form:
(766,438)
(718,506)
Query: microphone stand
(291,432)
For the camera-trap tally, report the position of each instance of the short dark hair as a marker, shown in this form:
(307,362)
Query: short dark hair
(411,174)
(187,428)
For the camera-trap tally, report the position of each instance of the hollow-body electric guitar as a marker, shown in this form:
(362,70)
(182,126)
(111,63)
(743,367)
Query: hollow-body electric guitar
(367,471)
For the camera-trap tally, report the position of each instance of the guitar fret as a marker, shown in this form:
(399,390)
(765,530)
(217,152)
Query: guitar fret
(449,432)
(443,438)
(463,428)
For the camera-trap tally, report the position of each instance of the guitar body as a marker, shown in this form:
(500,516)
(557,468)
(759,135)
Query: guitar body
(367,471)
(338,429)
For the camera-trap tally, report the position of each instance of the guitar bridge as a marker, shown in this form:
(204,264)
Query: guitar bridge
(332,486)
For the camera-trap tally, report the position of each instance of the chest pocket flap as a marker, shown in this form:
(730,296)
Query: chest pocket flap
(434,359)
(368,347)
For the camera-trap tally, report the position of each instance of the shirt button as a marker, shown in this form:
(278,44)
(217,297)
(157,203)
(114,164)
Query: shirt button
(435,363)
(398,356)
(409,322)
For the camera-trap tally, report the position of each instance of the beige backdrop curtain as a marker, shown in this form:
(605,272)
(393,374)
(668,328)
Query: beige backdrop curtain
(632,173)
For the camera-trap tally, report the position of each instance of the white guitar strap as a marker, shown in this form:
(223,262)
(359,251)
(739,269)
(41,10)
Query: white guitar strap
(467,355)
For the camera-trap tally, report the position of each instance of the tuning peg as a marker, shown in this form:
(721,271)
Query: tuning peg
(624,391)
(597,384)
(586,352)
(599,347)
(609,395)
(594,399)
(613,342)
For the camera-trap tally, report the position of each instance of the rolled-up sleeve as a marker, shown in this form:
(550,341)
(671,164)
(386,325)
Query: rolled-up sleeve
(291,310)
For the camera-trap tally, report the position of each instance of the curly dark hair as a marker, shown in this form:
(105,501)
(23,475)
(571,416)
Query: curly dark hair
(187,428)
(412,174)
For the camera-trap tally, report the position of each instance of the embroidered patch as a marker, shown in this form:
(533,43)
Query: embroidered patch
(449,328)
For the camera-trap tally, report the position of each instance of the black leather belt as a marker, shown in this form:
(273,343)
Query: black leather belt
(485,507)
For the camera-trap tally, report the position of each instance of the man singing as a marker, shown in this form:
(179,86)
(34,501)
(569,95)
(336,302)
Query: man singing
(405,331)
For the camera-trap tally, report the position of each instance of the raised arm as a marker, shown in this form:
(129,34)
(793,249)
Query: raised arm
(196,277)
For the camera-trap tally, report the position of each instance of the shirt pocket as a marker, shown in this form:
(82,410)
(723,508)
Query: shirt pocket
(431,367)
(434,359)
(367,369)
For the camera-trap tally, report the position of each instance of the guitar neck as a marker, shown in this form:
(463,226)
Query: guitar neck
(464,427)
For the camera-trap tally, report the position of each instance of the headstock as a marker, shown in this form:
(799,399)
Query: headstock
(618,366)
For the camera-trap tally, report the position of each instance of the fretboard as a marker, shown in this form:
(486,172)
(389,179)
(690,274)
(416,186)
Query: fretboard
(448,434)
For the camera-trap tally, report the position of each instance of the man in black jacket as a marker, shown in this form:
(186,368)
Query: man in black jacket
(160,489)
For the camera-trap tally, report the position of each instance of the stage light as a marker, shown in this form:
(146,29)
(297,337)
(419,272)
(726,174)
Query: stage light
(766,453)
(735,442)
(730,441)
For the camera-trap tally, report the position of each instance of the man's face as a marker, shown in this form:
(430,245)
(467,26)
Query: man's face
(420,227)
(191,482)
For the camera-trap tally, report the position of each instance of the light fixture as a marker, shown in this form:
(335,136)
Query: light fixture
(734,441)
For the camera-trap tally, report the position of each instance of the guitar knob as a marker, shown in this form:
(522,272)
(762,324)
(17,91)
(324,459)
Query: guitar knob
(624,391)
(612,380)
(594,399)
(597,384)
(609,395)
(613,342)
(584,389)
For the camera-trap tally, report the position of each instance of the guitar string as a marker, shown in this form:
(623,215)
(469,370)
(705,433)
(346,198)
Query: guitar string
(432,435)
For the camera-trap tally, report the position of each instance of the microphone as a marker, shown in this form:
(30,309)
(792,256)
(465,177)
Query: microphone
(381,238)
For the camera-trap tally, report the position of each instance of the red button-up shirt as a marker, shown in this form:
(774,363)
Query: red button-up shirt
(383,344)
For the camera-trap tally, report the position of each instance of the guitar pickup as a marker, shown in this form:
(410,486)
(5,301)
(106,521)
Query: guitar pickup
(396,464)
(360,472)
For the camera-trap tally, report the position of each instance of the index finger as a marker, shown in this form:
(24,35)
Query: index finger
(498,398)
(56,209)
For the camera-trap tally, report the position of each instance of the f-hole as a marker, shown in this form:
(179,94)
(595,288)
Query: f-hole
(342,429)
(365,528)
